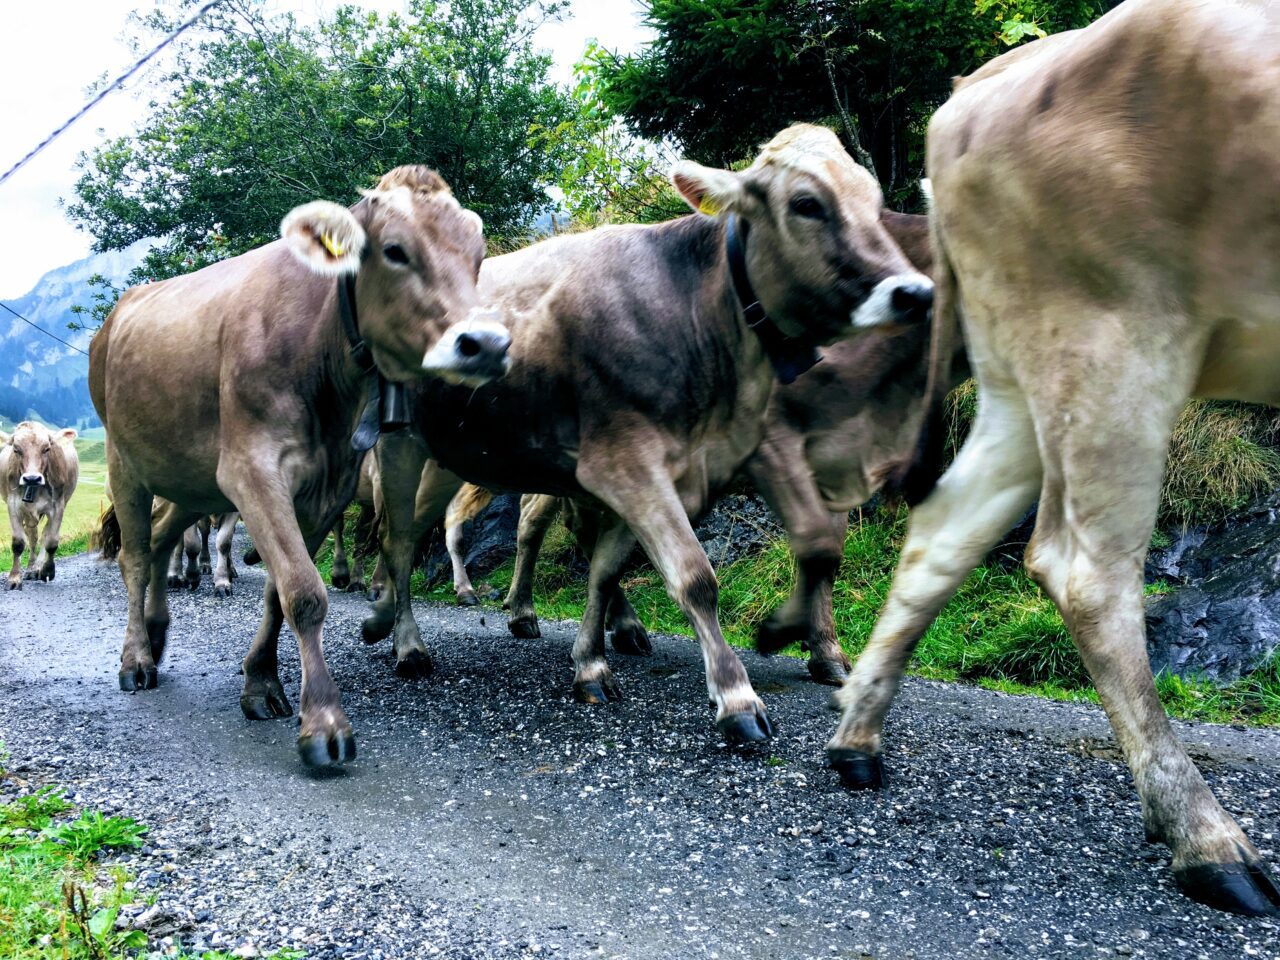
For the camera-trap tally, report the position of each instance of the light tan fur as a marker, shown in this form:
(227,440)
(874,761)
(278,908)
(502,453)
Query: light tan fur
(1108,228)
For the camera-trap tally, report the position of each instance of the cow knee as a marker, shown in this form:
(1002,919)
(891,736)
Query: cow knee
(697,589)
(18,546)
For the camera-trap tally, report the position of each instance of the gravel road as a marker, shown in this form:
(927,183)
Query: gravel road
(491,816)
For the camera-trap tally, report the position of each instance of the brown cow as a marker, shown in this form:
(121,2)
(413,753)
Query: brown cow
(1092,194)
(829,440)
(264,370)
(39,468)
(644,361)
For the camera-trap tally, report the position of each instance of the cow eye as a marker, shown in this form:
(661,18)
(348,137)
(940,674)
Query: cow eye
(395,254)
(808,207)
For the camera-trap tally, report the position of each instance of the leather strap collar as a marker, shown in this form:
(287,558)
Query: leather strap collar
(386,408)
(788,356)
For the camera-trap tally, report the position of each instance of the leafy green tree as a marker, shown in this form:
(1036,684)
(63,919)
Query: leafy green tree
(722,76)
(261,113)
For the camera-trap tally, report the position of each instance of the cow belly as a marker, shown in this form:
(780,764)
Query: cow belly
(1242,362)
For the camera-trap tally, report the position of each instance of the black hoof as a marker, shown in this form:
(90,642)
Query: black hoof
(139,678)
(467,598)
(414,665)
(772,636)
(524,628)
(830,672)
(1246,888)
(327,751)
(47,572)
(15,584)
(177,583)
(632,640)
(753,727)
(858,770)
(193,582)
(357,586)
(340,581)
(372,629)
(597,691)
(222,590)
(31,574)
(251,557)
(265,706)
(373,594)
(206,568)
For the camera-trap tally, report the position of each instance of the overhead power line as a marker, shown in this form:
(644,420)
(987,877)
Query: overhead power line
(42,329)
(114,85)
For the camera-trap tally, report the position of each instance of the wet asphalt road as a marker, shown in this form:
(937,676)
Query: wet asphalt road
(489,815)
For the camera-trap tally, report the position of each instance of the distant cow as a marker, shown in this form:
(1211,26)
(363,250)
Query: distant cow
(39,468)
(644,359)
(830,440)
(263,369)
(1108,225)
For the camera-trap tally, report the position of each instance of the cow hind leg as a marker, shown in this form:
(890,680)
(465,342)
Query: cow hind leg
(204,526)
(263,697)
(462,588)
(340,571)
(984,492)
(1103,472)
(191,547)
(537,513)
(627,634)
(592,679)
(176,580)
(225,570)
(171,533)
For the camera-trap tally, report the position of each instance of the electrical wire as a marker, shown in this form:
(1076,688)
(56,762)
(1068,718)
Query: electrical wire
(42,329)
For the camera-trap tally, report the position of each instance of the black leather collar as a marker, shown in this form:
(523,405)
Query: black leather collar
(386,408)
(789,357)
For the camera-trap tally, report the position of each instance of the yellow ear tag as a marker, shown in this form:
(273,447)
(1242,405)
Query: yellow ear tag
(708,206)
(332,245)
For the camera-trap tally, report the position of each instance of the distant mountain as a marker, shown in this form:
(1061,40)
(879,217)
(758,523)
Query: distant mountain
(39,377)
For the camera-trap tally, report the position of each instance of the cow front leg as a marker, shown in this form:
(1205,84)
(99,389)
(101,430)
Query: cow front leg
(325,735)
(31,532)
(340,571)
(49,545)
(643,495)
(989,486)
(18,543)
(537,513)
(225,570)
(780,473)
(592,679)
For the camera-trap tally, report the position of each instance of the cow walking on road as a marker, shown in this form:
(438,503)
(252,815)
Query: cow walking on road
(39,468)
(1107,221)
(265,370)
(643,361)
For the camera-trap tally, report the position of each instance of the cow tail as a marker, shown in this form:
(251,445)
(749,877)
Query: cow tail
(107,538)
(915,476)
(466,505)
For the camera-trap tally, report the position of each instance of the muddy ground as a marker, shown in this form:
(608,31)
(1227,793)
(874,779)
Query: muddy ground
(489,815)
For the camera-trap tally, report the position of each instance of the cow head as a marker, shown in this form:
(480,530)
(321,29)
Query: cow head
(37,459)
(416,255)
(818,256)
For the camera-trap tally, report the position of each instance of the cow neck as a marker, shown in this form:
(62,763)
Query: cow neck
(386,408)
(788,356)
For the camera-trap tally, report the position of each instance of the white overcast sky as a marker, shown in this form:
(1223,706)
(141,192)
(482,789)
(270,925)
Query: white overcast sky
(53,51)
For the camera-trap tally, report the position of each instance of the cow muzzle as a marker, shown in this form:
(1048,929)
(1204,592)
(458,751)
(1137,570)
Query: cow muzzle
(471,353)
(901,300)
(31,484)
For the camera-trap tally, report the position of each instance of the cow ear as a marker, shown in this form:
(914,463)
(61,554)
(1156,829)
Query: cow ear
(67,434)
(4,439)
(324,236)
(707,189)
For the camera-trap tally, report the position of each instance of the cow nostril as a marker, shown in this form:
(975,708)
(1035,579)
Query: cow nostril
(912,297)
(467,345)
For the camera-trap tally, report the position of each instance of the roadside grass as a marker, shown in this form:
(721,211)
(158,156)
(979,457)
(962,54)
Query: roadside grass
(58,901)
(83,510)
(999,631)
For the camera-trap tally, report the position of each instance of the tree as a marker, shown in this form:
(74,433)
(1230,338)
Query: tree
(262,113)
(722,76)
